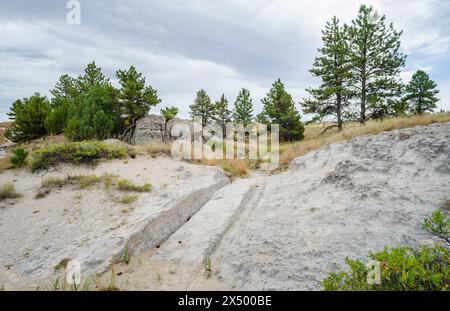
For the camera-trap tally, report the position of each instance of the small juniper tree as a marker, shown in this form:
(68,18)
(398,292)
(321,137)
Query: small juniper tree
(421,93)
(279,108)
(202,108)
(333,67)
(376,59)
(222,115)
(243,108)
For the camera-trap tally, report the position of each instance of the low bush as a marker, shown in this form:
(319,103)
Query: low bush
(426,268)
(439,225)
(85,152)
(19,157)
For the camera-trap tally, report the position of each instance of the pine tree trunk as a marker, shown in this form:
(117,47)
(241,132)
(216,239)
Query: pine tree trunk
(362,118)
(338,111)
(363,84)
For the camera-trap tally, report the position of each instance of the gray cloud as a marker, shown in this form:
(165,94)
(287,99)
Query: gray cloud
(182,46)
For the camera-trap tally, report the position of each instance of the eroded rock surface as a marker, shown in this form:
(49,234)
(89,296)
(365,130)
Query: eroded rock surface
(91,225)
(341,201)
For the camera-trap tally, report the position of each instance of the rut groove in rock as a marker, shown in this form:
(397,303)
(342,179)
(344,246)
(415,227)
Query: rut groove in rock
(159,229)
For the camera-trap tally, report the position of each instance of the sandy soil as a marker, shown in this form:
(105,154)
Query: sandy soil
(89,224)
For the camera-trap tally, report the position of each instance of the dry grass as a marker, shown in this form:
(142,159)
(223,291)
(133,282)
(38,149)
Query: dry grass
(5,163)
(314,140)
(154,149)
(3,127)
(126,185)
(232,168)
(8,191)
(79,181)
(53,182)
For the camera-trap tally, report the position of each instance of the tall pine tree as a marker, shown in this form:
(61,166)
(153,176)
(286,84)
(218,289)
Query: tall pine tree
(222,115)
(202,108)
(421,93)
(331,98)
(65,94)
(135,97)
(243,108)
(376,59)
(279,108)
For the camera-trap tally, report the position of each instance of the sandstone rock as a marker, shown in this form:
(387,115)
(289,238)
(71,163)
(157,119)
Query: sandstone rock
(154,128)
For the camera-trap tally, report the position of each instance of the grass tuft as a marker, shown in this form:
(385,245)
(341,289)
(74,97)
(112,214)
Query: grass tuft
(128,199)
(62,264)
(126,185)
(8,191)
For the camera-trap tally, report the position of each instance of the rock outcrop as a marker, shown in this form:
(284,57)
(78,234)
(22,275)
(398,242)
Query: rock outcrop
(154,128)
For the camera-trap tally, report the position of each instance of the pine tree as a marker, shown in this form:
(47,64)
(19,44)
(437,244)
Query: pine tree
(279,108)
(222,115)
(96,112)
(65,93)
(376,59)
(28,116)
(421,93)
(169,113)
(96,116)
(93,75)
(202,108)
(135,97)
(243,108)
(333,67)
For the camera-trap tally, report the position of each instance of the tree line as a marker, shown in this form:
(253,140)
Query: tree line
(85,107)
(278,108)
(359,67)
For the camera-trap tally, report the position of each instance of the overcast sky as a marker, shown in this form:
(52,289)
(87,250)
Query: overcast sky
(183,46)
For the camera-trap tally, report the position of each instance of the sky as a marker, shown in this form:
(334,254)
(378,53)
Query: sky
(183,46)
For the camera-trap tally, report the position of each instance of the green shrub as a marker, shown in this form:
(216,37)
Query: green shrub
(85,152)
(19,157)
(426,268)
(439,225)
(126,185)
